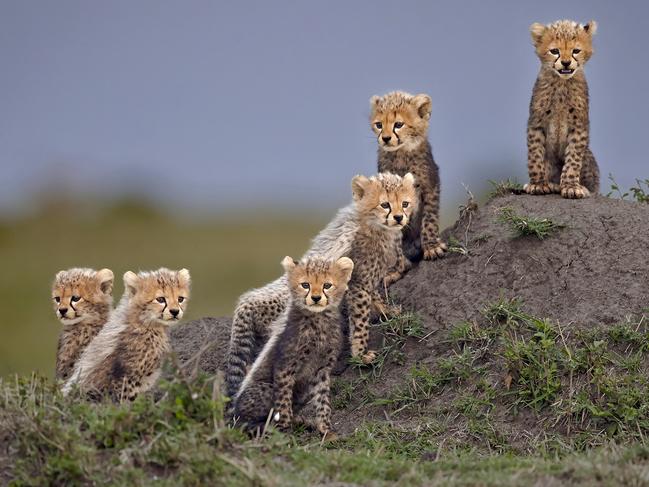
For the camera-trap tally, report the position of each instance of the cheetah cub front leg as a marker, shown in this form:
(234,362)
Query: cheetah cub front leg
(402,266)
(360,304)
(537,165)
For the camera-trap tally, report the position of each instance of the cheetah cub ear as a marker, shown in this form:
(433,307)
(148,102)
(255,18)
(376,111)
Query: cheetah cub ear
(537,30)
(360,185)
(374,101)
(106,279)
(345,267)
(288,263)
(184,278)
(424,105)
(131,282)
(409,180)
(591,27)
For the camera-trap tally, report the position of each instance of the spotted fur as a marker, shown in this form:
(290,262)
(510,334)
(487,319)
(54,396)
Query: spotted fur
(82,300)
(259,311)
(124,359)
(386,203)
(558,129)
(293,369)
(400,122)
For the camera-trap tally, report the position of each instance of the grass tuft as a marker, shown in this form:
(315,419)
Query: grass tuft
(505,187)
(523,226)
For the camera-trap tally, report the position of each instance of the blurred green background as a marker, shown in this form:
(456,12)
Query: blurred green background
(225,256)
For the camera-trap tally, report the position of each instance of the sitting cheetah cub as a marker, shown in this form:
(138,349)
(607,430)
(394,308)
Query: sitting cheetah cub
(125,358)
(293,369)
(83,299)
(400,122)
(258,310)
(386,203)
(559,160)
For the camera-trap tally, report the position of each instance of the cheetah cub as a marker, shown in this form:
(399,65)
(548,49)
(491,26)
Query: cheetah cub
(293,369)
(259,310)
(125,358)
(559,159)
(83,299)
(386,203)
(400,122)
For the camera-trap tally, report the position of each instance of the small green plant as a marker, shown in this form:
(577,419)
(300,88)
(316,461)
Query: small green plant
(523,226)
(534,363)
(455,246)
(640,192)
(505,187)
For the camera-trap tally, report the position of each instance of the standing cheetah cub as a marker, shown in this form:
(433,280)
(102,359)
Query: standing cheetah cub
(83,299)
(386,203)
(125,358)
(559,160)
(293,369)
(400,122)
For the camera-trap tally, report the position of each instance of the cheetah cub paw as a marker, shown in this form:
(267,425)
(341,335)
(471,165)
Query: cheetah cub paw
(574,191)
(541,188)
(368,357)
(435,250)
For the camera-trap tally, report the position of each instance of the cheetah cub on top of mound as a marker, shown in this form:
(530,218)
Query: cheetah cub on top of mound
(559,159)
(83,299)
(293,369)
(125,358)
(386,202)
(400,122)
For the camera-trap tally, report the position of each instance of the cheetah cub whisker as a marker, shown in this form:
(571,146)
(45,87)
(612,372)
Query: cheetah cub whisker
(293,369)
(126,356)
(83,300)
(558,129)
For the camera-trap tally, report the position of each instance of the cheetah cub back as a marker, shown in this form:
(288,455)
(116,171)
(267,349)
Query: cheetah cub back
(293,369)
(125,358)
(82,300)
(558,128)
(386,203)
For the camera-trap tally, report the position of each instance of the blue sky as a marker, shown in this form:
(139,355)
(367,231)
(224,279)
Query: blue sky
(219,105)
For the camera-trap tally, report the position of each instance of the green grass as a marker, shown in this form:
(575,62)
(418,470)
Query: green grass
(523,226)
(182,439)
(455,420)
(505,187)
(226,256)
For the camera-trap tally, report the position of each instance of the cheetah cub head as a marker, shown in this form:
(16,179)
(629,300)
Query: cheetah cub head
(564,46)
(82,294)
(158,296)
(400,120)
(387,200)
(316,283)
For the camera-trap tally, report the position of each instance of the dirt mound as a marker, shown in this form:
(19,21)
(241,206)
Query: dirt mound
(594,271)
(590,274)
